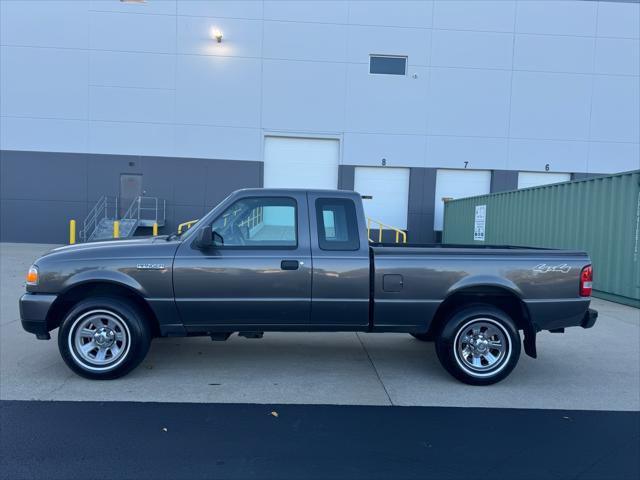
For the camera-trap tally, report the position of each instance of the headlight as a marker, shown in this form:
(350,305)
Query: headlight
(32,275)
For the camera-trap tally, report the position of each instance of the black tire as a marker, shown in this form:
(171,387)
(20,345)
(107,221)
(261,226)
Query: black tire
(124,338)
(458,345)
(423,337)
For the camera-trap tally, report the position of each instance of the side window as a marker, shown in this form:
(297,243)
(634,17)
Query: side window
(258,223)
(337,224)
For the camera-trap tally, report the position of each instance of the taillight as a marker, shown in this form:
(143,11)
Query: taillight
(586,280)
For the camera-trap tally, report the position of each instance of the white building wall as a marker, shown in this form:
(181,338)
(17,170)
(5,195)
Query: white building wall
(498,84)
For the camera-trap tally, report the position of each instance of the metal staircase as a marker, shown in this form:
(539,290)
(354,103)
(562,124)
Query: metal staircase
(104,211)
(143,212)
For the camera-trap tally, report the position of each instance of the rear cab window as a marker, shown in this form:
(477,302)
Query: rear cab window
(337,224)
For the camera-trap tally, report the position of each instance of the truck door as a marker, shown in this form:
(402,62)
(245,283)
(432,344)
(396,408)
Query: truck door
(259,271)
(340,250)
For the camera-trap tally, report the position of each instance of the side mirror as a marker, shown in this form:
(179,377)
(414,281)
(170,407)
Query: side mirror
(205,237)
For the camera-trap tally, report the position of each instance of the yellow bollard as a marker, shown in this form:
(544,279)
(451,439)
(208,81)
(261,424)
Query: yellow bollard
(155,229)
(72,232)
(116,229)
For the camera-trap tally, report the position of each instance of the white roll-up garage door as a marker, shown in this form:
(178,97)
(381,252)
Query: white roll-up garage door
(533,179)
(458,184)
(389,188)
(291,162)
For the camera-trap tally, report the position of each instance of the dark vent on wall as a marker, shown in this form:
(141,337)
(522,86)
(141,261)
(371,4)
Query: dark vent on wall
(387,65)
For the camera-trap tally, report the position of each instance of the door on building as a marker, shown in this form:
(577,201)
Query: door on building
(130,189)
(533,179)
(310,163)
(388,188)
(452,184)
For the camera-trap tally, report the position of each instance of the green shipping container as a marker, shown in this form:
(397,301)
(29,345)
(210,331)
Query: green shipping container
(598,215)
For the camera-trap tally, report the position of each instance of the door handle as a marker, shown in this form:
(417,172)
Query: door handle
(289,264)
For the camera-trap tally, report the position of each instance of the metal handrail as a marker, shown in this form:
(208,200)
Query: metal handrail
(92,218)
(186,225)
(155,208)
(132,208)
(399,232)
(134,212)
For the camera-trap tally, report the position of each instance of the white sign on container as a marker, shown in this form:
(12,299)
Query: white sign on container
(480,222)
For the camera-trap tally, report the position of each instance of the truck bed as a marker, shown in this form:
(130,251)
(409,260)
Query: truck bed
(420,277)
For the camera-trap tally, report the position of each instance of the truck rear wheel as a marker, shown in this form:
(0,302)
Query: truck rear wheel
(103,338)
(479,345)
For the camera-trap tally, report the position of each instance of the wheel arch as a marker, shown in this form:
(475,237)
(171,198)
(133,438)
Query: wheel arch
(99,288)
(499,296)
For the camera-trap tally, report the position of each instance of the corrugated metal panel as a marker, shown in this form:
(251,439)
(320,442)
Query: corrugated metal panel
(599,215)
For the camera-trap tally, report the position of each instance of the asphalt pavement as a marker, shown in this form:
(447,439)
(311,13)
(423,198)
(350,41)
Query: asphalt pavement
(115,440)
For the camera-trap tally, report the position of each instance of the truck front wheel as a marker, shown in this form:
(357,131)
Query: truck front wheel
(479,345)
(103,338)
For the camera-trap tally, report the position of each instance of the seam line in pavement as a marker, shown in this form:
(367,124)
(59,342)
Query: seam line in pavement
(375,369)
(61,386)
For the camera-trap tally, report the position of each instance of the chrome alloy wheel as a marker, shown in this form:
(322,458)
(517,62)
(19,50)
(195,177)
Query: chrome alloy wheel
(99,340)
(482,347)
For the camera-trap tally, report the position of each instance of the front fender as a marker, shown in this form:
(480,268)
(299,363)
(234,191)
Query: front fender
(103,276)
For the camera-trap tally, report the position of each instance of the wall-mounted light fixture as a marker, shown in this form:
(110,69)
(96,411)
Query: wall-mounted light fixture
(216,33)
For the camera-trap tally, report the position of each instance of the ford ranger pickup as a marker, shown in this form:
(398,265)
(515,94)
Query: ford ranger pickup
(282,260)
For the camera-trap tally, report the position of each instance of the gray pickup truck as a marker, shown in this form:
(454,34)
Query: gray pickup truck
(300,260)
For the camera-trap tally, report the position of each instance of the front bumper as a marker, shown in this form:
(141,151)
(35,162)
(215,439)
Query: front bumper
(590,318)
(34,309)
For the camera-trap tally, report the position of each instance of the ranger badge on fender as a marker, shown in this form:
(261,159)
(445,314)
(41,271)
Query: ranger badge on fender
(151,266)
